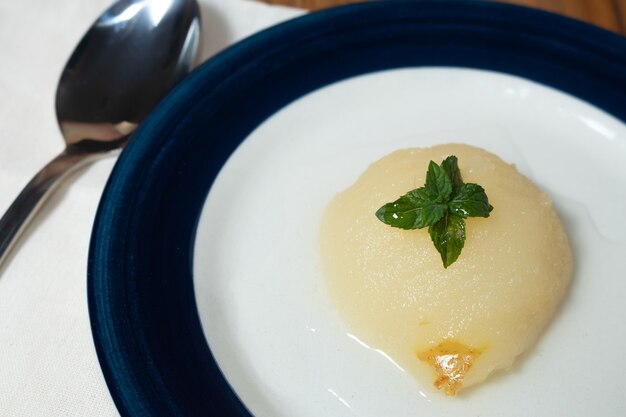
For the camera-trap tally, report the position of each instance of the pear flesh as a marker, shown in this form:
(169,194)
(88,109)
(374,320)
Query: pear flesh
(448,327)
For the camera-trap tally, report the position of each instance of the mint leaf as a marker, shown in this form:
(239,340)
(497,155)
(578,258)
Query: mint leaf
(448,235)
(470,201)
(438,184)
(451,166)
(441,204)
(431,211)
(414,210)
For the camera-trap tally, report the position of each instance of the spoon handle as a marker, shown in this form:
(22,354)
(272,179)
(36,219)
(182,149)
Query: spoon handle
(23,209)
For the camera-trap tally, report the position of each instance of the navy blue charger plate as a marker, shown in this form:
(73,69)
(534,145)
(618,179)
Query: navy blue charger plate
(146,329)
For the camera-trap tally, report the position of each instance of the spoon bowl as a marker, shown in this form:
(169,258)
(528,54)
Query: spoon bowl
(134,53)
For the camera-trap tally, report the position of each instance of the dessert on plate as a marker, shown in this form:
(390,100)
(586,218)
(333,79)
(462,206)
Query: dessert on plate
(449,324)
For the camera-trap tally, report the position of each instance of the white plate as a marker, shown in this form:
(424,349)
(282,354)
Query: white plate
(280,343)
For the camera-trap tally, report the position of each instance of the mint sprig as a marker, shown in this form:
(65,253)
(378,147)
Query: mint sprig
(441,204)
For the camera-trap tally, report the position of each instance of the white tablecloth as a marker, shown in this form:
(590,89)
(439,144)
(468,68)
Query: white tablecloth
(48,364)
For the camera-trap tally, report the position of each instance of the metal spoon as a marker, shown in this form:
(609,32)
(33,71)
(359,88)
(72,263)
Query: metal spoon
(132,55)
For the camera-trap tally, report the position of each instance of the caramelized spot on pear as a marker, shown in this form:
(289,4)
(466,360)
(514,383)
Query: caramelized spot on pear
(451,360)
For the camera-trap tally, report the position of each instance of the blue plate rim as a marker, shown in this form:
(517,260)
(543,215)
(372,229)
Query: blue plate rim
(154,358)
